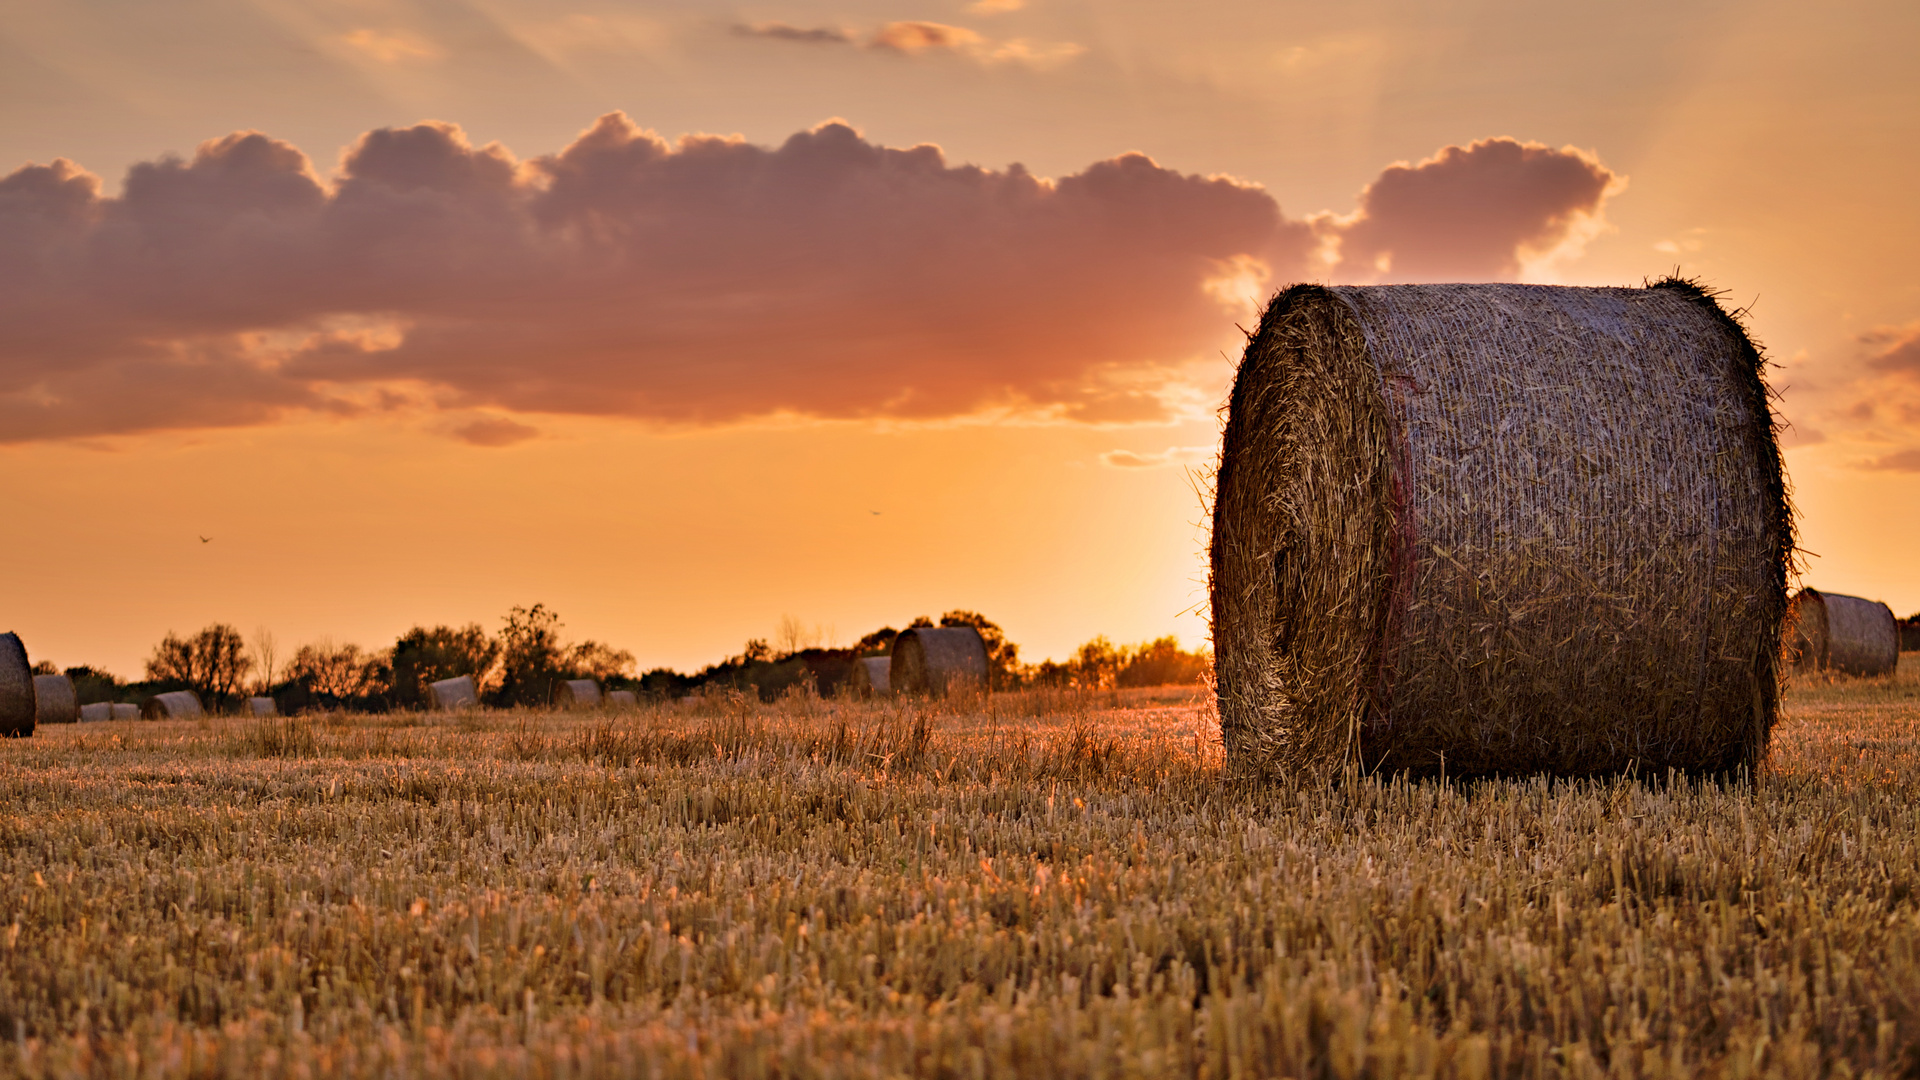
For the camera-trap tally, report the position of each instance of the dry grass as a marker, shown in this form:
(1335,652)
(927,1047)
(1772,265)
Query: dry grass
(1053,884)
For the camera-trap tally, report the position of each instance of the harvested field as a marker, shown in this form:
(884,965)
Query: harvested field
(1055,884)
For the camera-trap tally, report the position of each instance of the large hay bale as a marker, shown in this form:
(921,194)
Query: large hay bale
(98,712)
(173,705)
(16,689)
(937,660)
(577,694)
(54,700)
(869,677)
(1832,632)
(458,692)
(622,699)
(262,707)
(125,710)
(1498,529)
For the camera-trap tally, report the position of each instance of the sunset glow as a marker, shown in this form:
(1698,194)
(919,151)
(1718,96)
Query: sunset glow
(681,319)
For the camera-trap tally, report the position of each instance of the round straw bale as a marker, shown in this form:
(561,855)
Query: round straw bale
(1832,632)
(935,660)
(16,689)
(262,706)
(622,699)
(577,694)
(458,692)
(54,701)
(1488,529)
(125,710)
(99,712)
(173,705)
(868,677)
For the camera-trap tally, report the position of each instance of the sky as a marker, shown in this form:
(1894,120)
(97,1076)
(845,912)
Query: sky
(686,318)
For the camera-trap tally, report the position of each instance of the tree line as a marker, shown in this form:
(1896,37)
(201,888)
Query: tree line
(524,662)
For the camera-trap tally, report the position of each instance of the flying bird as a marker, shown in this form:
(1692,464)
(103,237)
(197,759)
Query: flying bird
(205,539)
(875,513)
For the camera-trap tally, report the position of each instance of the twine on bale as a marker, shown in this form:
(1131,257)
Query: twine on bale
(54,700)
(1490,529)
(937,660)
(869,677)
(16,689)
(1848,634)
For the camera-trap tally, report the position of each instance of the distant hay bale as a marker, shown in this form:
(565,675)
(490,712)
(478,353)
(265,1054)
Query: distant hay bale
(1498,529)
(622,699)
(577,694)
(100,712)
(16,689)
(869,677)
(262,706)
(125,711)
(458,692)
(936,660)
(173,705)
(1847,634)
(54,701)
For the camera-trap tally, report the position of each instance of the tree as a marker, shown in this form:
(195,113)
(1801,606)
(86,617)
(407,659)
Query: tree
(266,651)
(424,656)
(341,672)
(530,655)
(1161,662)
(592,660)
(878,643)
(212,662)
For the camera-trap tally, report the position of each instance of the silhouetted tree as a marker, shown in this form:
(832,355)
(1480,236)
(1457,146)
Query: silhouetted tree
(340,674)
(602,663)
(422,656)
(91,685)
(530,656)
(211,662)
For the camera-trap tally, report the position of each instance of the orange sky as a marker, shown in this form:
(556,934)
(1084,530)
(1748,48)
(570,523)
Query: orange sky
(402,375)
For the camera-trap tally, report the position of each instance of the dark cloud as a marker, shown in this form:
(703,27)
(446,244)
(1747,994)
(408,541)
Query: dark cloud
(1899,461)
(495,431)
(819,35)
(1894,349)
(700,281)
(1470,213)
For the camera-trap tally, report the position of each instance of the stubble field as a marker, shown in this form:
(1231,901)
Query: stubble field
(1045,884)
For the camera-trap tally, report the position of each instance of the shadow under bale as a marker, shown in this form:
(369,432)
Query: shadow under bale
(1499,529)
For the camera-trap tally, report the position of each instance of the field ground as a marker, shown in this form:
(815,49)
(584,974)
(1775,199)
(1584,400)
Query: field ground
(1055,885)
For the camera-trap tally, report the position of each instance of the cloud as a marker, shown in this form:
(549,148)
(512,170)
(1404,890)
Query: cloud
(1172,455)
(700,281)
(778,31)
(1486,211)
(495,431)
(915,37)
(1900,461)
(392,47)
(1894,349)
(995,7)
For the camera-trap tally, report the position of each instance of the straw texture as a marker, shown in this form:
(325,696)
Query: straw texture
(1848,634)
(458,692)
(173,705)
(125,710)
(577,694)
(262,706)
(16,688)
(869,677)
(936,660)
(622,699)
(54,700)
(1498,529)
(99,712)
